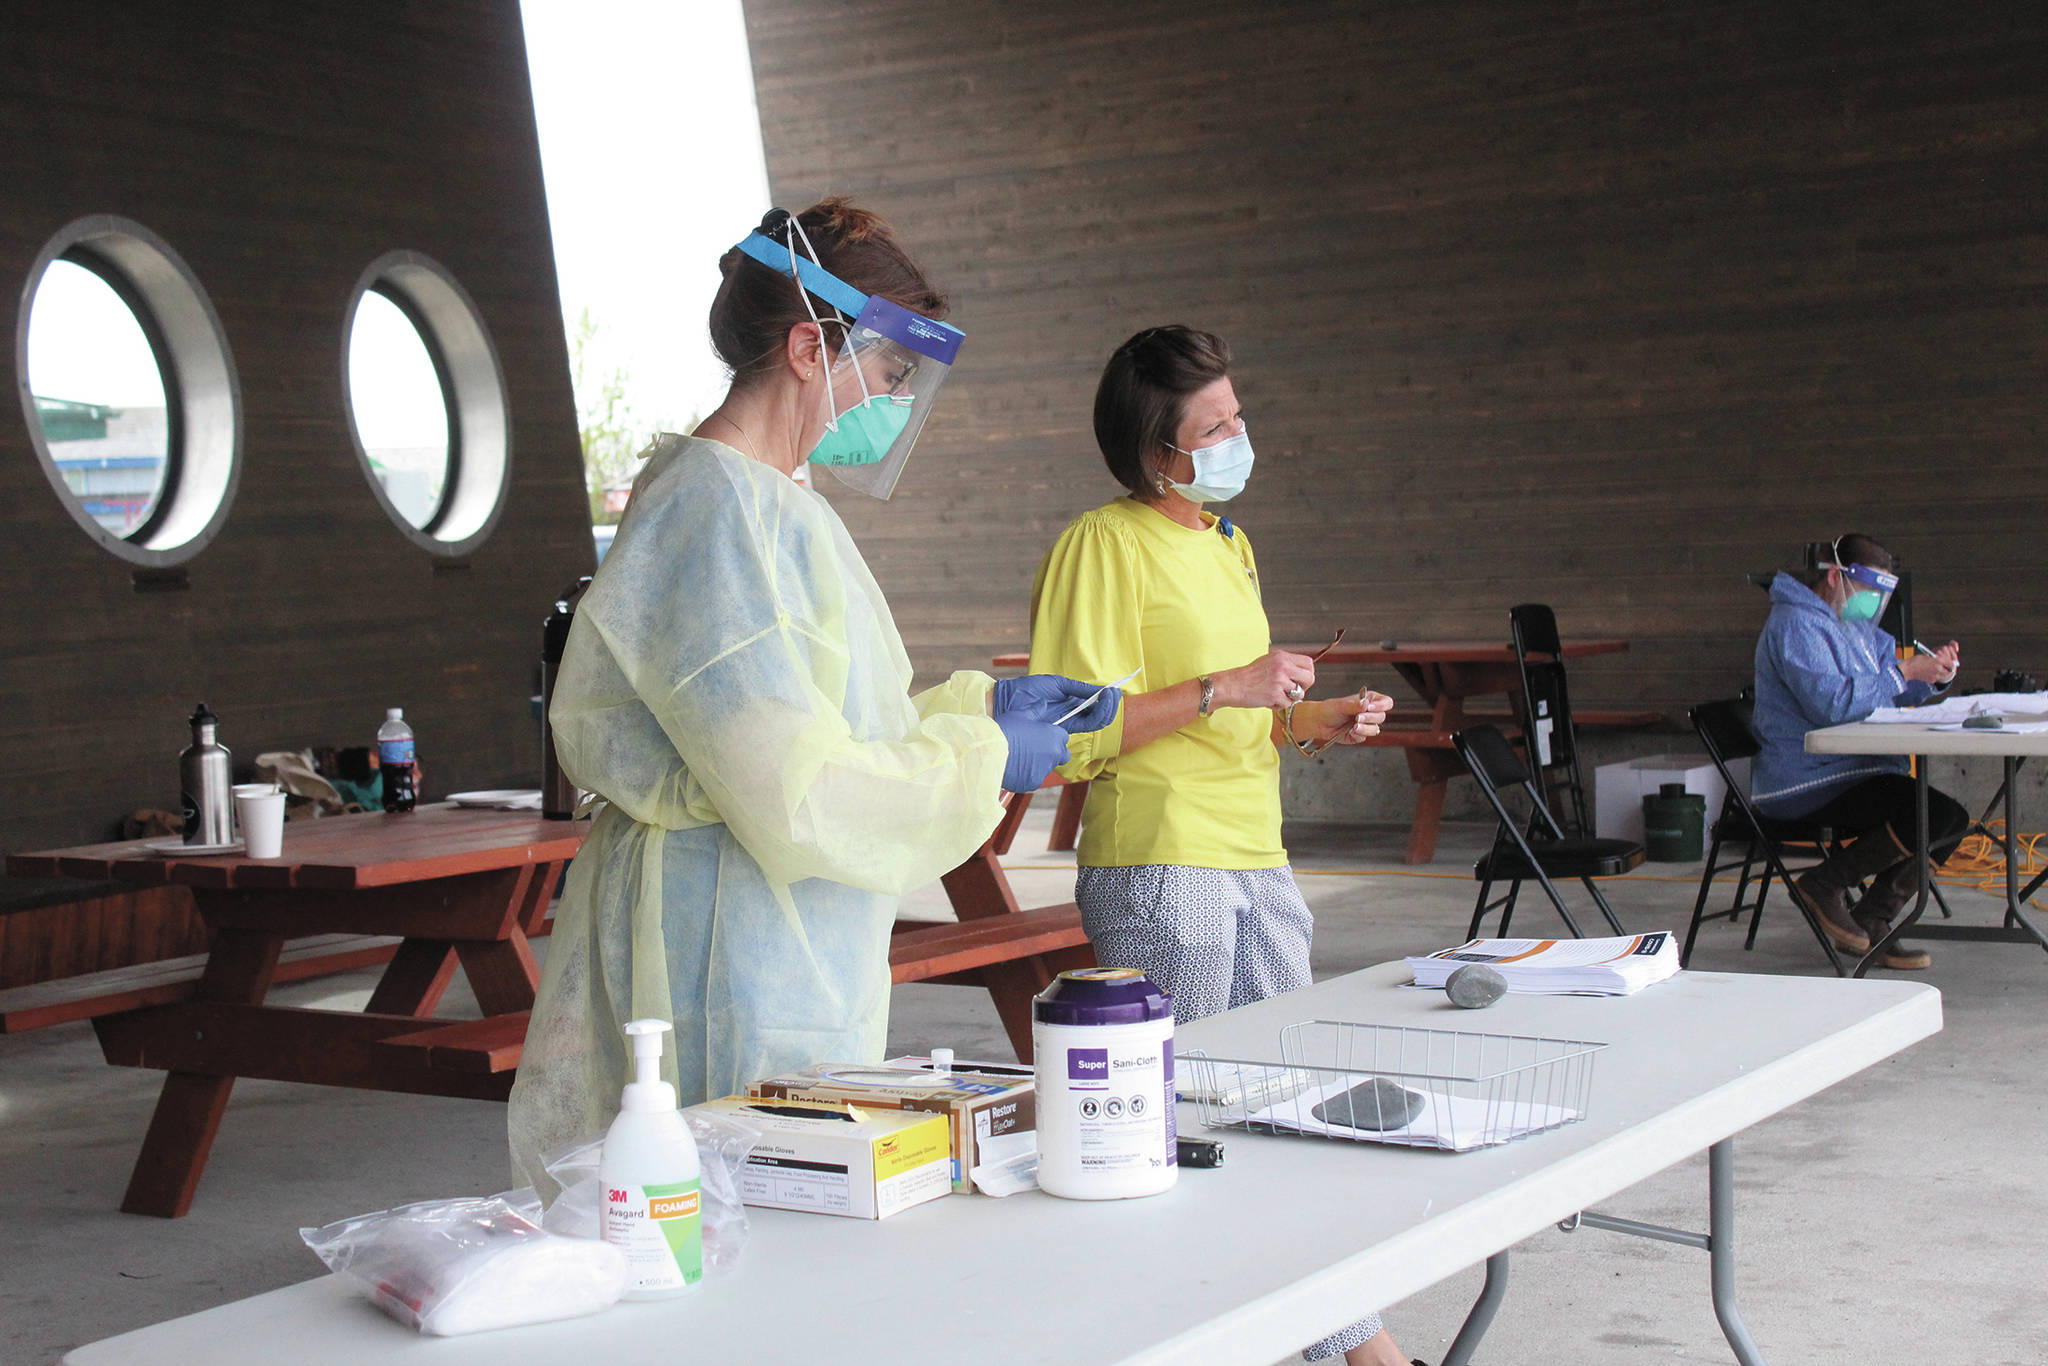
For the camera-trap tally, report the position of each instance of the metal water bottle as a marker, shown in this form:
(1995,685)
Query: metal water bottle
(557,793)
(205,785)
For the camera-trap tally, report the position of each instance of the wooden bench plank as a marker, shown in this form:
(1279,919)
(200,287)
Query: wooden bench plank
(484,1047)
(943,947)
(171,980)
(918,952)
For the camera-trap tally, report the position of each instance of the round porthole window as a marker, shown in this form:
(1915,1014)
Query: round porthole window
(426,403)
(129,391)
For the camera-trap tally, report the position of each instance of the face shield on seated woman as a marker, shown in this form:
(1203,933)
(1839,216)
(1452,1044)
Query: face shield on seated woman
(885,370)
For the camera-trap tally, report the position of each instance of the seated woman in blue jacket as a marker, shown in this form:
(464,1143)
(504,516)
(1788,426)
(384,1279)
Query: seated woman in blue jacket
(1822,660)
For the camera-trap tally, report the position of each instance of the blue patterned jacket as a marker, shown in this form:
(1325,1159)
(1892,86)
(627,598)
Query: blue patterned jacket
(1813,669)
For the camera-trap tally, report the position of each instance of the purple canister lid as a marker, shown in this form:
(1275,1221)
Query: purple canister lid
(1101,996)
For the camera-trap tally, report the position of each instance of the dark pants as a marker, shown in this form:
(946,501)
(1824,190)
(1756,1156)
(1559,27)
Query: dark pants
(1888,800)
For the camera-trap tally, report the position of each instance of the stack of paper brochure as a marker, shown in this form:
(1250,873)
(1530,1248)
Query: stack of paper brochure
(1560,967)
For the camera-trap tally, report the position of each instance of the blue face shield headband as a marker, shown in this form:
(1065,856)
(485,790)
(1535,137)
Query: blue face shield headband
(881,382)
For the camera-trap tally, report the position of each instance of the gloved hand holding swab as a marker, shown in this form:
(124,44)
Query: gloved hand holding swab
(1096,696)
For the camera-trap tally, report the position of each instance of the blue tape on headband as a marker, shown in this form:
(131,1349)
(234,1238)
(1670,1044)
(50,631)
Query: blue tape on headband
(778,257)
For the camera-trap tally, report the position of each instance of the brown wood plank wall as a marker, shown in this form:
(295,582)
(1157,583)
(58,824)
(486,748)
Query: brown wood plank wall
(1600,305)
(279,149)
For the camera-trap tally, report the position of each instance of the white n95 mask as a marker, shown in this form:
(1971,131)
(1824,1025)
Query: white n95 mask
(1220,470)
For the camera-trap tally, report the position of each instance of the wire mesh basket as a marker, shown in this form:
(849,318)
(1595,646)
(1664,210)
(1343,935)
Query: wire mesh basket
(1422,1088)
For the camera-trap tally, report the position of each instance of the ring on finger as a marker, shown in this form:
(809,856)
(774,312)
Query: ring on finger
(1295,693)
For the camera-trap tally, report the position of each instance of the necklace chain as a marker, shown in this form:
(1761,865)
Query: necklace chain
(744,436)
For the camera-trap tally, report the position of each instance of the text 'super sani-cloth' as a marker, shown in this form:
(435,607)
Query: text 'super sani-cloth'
(649,1179)
(1103,1044)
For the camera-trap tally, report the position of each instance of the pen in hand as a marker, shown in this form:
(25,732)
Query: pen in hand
(1924,648)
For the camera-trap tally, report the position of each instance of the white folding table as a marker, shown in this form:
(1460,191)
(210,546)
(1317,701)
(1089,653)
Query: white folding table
(1289,1241)
(2012,748)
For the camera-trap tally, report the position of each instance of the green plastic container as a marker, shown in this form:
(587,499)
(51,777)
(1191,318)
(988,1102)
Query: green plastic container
(1674,825)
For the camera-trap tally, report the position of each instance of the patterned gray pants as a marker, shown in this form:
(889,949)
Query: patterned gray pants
(1213,938)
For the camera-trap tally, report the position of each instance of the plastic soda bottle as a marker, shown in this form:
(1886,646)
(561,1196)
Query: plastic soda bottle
(397,761)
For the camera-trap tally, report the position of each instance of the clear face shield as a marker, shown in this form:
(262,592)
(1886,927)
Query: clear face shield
(1870,592)
(1870,589)
(886,369)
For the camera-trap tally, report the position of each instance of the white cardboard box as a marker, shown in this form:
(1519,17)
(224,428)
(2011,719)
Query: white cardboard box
(840,1159)
(1619,789)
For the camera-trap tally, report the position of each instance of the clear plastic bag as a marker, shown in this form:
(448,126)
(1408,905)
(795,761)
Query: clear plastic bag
(447,1267)
(722,1147)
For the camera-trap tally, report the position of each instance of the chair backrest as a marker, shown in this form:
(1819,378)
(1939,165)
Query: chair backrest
(1497,769)
(1727,730)
(1535,629)
(1546,703)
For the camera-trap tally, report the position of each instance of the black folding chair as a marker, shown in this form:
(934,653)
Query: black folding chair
(1725,728)
(1548,736)
(1544,851)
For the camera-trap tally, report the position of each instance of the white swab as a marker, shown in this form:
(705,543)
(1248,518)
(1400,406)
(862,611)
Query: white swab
(1093,697)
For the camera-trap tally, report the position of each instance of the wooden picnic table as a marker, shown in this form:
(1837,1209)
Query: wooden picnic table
(458,886)
(1446,674)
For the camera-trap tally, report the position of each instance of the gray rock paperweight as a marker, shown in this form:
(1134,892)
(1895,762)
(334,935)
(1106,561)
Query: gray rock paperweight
(1378,1105)
(1475,987)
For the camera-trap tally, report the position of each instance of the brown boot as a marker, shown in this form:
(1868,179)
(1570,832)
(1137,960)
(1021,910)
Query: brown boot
(1819,891)
(1825,890)
(1888,896)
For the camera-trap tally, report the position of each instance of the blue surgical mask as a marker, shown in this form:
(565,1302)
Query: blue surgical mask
(1220,470)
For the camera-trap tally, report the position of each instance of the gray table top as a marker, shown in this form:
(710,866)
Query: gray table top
(1905,737)
(1290,1240)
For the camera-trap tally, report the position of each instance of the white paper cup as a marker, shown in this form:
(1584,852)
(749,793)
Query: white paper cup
(262,817)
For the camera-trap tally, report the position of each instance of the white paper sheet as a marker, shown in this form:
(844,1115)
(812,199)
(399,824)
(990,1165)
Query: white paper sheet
(1453,1123)
(1954,709)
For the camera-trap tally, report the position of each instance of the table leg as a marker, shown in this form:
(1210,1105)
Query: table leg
(1429,817)
(415,979)
(504,974)
(1718,1242)
(1721,1251)
(1483,1309)
(188,1111)
(2016,897)
(1066,817)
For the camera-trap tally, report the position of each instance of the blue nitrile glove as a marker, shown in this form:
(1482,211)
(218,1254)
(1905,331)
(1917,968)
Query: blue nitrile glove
(1048,697)
(1036,749)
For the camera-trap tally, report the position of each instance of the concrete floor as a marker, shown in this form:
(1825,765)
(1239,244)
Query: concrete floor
(1898,1217)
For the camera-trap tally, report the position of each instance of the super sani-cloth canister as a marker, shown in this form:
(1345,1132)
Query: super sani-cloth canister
(1103,1041)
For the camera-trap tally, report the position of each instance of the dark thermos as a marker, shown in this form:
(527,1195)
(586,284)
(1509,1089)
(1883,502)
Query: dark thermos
(557,794)
(205,786)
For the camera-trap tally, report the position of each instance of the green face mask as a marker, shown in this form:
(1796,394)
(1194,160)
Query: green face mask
(866,432)
(1861,606)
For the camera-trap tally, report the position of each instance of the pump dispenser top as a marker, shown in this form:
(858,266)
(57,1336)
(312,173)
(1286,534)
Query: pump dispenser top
(647,1091)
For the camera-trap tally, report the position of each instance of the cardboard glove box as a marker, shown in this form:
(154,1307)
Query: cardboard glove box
(990,1114)
(840,1159)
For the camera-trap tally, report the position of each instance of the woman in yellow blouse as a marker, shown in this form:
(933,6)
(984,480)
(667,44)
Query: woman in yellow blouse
(1182,871)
